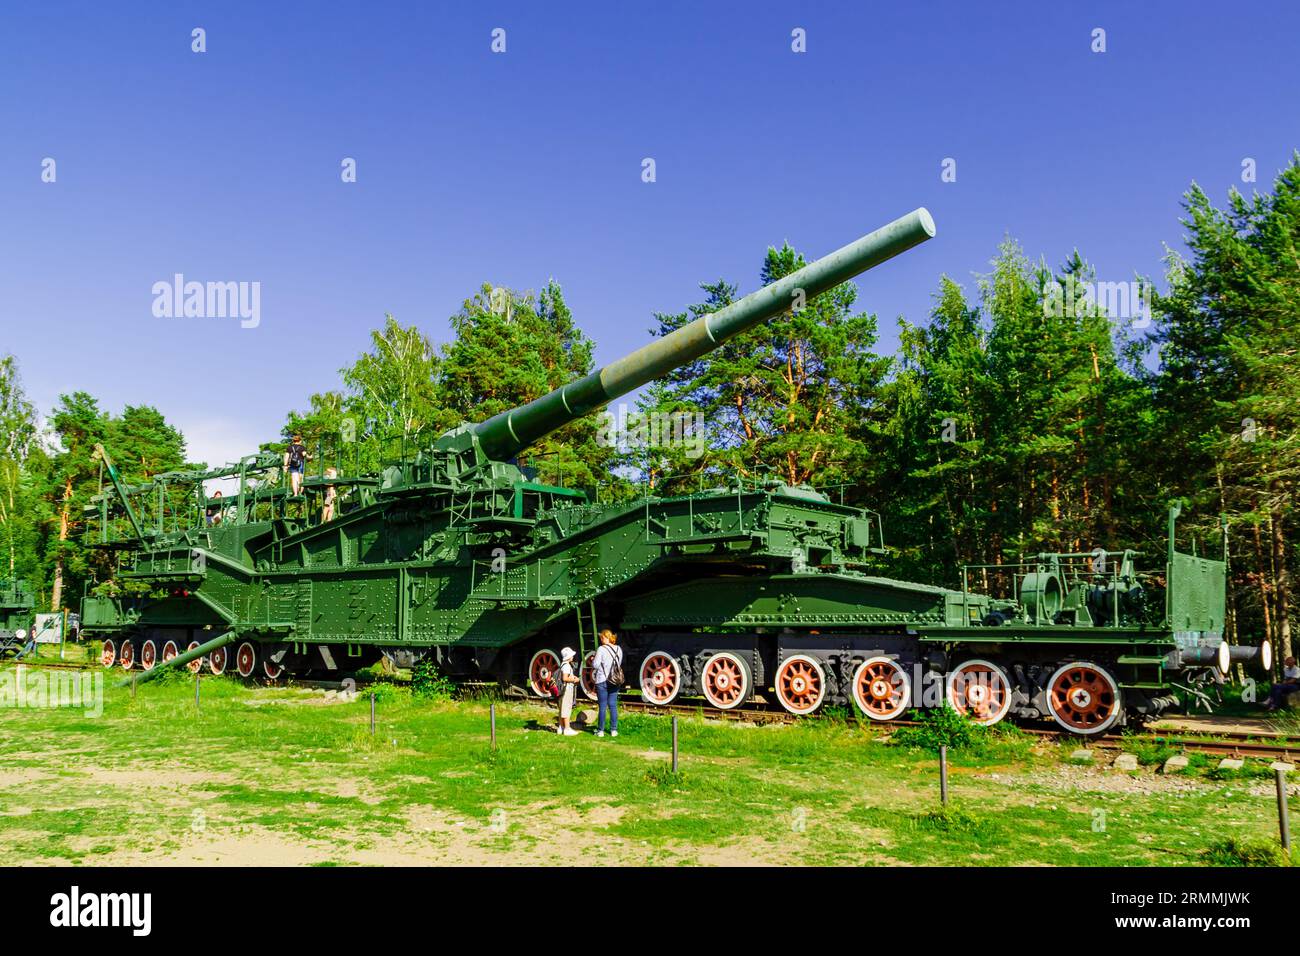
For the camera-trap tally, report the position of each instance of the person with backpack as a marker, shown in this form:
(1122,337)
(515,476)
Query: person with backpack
(566,689)
(607,674)
(295,461)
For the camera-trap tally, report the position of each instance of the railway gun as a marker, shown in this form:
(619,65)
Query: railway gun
(453,553)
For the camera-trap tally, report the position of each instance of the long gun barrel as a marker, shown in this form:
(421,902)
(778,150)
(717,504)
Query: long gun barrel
(503,436)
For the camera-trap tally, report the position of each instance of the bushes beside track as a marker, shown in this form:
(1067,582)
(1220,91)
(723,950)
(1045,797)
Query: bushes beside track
(938,727)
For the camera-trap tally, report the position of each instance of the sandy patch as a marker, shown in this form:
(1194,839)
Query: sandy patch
(24,775)
(358,790)
(540,834)
(1068,779)
(153,778)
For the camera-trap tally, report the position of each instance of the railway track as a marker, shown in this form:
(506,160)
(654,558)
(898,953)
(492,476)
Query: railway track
(1227,745)
(52,665)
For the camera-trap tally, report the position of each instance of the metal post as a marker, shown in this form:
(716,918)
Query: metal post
(372,713)
(1283,823)
(674,745)
(133,689)
(943,775)
(196,691)
(492,716)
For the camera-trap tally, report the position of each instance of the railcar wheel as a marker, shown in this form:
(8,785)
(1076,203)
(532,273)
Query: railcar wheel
(170,650)
(981,690)
(195,665)
(725,680)
(881,688)
(800,684)
(541,669)
(108,653)
(149,655)
(246,659)
(126,655)
(661,678)
(272,670)
(1083,698)
(588,675)
(217,661)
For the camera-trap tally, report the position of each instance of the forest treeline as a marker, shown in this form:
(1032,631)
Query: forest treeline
(1017,417)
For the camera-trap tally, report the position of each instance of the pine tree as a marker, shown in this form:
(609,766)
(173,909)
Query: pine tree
(1008,423)
(510,348)
(795,399)
(1228,394)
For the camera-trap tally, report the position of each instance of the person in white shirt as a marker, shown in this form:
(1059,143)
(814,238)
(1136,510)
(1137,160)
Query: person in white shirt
(608,656)
(568,681)
(1288,685)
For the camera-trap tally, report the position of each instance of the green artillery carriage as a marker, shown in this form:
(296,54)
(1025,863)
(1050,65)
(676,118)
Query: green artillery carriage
(17,617)
(747,589)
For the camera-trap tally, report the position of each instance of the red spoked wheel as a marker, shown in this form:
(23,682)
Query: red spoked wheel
(725,680)
(881,688)
(541,671)
(126,655)
(272,670)
(246,659)
(588,676)
(981,690)
(217,661)
(661,678)
(108,653)
(800,684)
(1083,698)
(195,665)
(149,655)
(170,650)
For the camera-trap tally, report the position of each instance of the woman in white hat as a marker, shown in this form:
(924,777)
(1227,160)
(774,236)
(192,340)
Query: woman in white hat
(568,682)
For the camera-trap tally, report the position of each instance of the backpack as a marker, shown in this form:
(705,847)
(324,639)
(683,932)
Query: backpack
(615,678)
(556,686)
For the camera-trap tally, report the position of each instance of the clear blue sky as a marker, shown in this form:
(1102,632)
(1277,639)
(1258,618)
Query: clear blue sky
(514,168)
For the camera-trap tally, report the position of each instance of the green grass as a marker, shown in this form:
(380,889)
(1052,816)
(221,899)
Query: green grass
(945,727)
(1237,852)
(285,774)
(1150,751)
(71,653)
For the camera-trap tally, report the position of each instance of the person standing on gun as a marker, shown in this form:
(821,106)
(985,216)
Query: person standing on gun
(331,497)
(295,461)
(213,512)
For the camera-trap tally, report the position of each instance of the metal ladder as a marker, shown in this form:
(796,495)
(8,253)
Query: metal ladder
(586,624)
